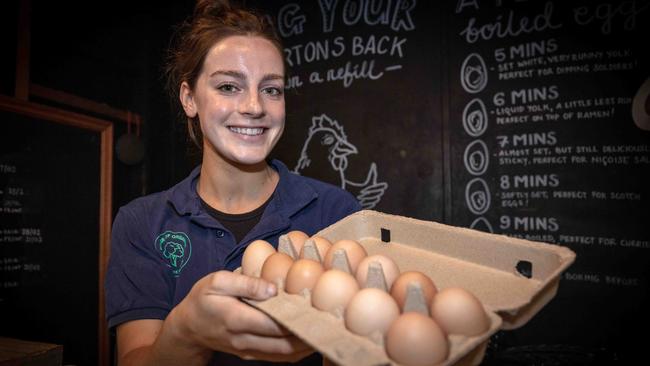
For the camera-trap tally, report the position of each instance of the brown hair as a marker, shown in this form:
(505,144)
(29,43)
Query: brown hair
(211,22)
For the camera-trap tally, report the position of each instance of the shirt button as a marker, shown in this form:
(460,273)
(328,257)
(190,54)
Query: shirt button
(220,233)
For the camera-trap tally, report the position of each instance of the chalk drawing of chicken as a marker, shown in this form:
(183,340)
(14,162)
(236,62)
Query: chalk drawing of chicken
(325,155)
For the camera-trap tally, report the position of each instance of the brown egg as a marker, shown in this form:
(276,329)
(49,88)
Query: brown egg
(322,246)
(254,257)
(297,239)
(333,291)
(416,340)
(388,266)
(302,275)
(354,251)
(275,268)
(370,310)
(458,311)
(400,286)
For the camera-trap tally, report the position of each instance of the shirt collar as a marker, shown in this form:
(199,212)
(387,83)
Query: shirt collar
(290,196)
(183,196)
(292,193)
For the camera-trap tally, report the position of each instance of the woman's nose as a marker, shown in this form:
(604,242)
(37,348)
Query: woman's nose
(251,105)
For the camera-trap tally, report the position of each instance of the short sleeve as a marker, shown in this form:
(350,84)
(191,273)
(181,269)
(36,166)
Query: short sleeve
(137,284)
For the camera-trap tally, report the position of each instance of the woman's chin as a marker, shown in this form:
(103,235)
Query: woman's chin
(249,160)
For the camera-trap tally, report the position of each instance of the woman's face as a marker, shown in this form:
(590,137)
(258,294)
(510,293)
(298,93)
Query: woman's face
(239,99)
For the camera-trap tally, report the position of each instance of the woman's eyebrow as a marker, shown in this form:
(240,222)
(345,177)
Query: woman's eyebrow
(233,73)
(269,77)
(241,76)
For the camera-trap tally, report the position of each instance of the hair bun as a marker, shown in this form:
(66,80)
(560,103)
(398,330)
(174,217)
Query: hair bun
(210,8)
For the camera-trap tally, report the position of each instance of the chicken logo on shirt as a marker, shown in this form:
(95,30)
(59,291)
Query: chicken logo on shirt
(175,249)
(325,155)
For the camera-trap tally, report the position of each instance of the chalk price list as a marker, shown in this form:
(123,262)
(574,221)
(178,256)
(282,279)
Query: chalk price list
(15,237)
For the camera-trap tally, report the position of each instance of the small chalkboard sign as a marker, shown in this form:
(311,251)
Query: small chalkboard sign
(55,209)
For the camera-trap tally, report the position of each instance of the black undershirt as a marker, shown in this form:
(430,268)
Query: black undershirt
(238,224)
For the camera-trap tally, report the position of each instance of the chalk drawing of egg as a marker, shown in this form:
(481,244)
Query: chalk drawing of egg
(477,196)
(475,118)
(473,73)
(481,224)
(641,107)
(476,157)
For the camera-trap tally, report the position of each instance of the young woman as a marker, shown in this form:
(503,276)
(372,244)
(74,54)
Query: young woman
(171,294)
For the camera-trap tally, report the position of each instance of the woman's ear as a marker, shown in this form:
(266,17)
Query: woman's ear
(187,100)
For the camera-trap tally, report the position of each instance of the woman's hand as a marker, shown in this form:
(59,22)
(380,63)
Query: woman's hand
(212,317)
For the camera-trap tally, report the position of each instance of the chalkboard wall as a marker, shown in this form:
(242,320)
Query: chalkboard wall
(543,146)
(513,117)
(356,116)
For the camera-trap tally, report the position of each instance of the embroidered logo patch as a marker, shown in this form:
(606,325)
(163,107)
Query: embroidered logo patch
(176,248)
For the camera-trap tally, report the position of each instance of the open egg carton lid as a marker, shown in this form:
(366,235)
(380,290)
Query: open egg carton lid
(513,278)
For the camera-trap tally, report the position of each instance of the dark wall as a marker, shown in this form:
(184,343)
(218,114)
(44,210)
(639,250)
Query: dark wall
(9,39)
(109,53)
(113,53)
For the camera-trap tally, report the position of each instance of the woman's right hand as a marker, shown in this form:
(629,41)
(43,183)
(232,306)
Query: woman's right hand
(216,319)
(212,318)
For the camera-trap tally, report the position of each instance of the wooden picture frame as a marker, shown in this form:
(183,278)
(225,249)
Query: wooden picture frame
(105,131)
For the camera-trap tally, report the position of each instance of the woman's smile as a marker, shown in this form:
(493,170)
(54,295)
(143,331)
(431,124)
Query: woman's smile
(248,131)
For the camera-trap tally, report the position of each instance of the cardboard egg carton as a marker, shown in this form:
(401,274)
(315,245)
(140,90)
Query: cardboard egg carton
(513,278)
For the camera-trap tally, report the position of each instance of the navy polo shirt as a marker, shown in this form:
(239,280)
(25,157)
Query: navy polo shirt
(163,243)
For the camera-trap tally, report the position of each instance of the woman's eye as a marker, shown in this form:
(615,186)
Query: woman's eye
(273,91)
(227,88)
